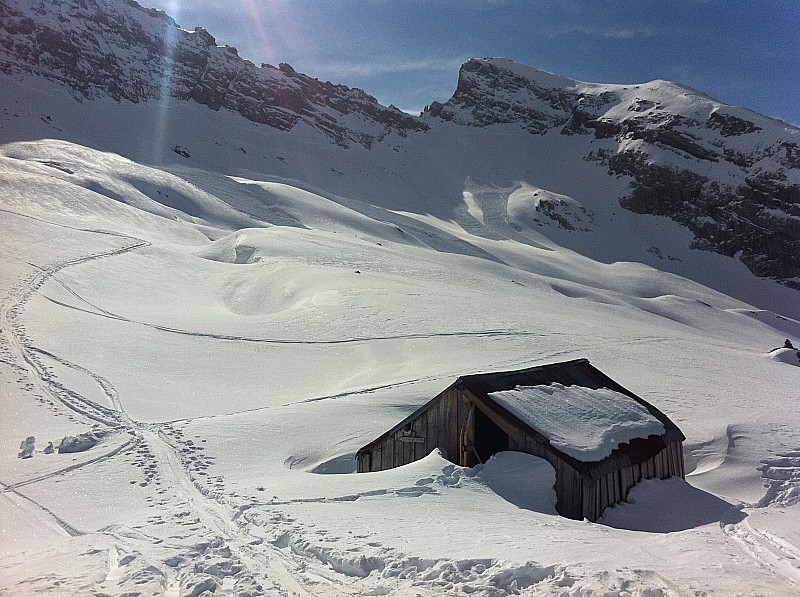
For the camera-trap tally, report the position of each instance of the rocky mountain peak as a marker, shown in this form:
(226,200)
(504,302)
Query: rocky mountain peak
(121,49)
(499,91)
(664,136)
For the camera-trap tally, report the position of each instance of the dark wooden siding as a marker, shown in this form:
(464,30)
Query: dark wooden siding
(614,486)
(431,428)
(569,490)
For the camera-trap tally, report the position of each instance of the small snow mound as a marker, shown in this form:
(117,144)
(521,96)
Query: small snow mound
(790,356)
(521,479)
(78,443)
(650,507)
(339,465)
(27,447)
(531,207)
(234,248)
(526,481)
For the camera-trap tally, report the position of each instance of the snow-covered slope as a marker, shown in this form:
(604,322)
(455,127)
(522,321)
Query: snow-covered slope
(222,366)
(729,179)
(225,310)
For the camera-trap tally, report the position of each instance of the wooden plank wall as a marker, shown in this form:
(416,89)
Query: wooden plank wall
(569,490)
(432,429)
(615,486)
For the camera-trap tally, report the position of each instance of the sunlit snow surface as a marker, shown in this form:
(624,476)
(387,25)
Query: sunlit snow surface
(584,423)
(233,337)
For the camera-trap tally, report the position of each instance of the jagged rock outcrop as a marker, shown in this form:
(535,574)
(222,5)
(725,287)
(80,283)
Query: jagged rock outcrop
(120,49)
(663,136)
(493,92)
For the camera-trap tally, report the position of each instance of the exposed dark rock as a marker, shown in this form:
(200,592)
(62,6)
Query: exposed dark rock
(76,53)
(759,221)
(790,157)
(729,125)
(489,94)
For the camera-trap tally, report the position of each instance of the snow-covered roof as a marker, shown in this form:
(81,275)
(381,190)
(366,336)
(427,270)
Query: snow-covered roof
(587,424)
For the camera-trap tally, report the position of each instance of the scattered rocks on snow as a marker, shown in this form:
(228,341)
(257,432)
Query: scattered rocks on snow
(790,356)
(78,443)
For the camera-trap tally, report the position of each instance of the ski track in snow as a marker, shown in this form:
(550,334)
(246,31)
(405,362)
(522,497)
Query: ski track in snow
(126,447)
(68,528)
(352,340)
(237,555)
(13,330)
(779,557)
(213,515)
(104,384)
(15,336)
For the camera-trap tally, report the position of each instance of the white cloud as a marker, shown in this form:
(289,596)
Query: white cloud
(386,66)
(607,31)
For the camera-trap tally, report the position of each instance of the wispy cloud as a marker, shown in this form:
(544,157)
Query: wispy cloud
(386,66)
(606,31)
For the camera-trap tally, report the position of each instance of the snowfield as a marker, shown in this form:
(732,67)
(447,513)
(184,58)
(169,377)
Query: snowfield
(229,336)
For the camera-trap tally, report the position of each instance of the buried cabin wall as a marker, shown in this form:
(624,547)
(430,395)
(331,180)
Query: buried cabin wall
(430,429)
(614,487)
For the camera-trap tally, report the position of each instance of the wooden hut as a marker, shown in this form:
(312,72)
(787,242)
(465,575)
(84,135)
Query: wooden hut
(480,415)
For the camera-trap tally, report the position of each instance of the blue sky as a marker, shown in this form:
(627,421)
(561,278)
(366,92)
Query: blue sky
(407,53)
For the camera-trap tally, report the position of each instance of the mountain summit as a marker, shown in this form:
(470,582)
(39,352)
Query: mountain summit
(731,176)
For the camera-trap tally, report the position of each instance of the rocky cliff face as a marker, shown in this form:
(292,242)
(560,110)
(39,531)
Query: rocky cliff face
(120,49)
(731,176)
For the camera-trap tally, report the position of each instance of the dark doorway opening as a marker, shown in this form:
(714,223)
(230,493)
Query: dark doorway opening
(489,438)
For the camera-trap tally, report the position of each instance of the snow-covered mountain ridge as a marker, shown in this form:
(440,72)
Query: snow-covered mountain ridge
(732,177)
(126,51)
